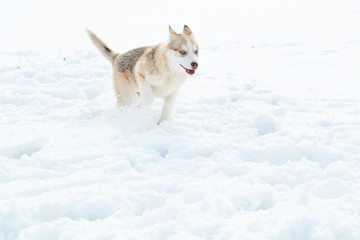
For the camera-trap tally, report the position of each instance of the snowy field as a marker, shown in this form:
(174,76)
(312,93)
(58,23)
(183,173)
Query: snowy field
(264,143)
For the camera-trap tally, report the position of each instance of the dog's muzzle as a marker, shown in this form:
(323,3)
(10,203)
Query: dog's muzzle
(194,65)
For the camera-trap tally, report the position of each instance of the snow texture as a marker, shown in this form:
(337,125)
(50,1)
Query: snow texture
(264,143)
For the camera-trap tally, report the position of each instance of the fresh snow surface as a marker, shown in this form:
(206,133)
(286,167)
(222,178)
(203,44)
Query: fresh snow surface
(264,143)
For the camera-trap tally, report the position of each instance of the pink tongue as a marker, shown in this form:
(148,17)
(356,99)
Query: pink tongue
(191,72)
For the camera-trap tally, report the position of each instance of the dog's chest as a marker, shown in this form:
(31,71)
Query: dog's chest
(167,86)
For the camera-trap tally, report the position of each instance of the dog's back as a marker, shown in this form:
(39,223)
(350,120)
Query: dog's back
(127,61)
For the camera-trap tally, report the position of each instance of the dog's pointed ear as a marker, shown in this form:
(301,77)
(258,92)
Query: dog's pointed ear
(171,31)
(187,30)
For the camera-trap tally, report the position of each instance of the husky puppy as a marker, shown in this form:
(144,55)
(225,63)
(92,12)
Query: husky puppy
(143,73)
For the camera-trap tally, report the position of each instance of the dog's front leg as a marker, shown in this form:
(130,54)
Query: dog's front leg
(168,107)
(146,95)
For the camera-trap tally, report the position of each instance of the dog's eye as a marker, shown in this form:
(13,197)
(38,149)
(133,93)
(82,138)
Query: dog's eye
(196,51)
(182,52)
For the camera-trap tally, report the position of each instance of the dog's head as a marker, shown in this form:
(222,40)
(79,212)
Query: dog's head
(183,51)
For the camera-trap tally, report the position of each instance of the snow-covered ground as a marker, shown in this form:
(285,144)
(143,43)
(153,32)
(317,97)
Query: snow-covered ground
(264,144)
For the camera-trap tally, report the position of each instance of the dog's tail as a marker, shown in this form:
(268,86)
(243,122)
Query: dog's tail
(103,48)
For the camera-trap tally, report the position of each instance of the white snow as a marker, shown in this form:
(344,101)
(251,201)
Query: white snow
(264,143)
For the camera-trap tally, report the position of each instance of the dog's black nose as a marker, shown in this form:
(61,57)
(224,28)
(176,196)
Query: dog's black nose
(194,65)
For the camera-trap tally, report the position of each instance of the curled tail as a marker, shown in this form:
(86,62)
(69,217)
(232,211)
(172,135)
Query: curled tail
(103,48)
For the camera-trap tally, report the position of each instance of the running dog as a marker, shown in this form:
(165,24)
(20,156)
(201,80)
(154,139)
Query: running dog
(144,73)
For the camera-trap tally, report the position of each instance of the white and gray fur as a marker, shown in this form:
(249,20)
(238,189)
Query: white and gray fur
(143,73)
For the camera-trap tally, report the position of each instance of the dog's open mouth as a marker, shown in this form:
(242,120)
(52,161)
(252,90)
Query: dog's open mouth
(189,71)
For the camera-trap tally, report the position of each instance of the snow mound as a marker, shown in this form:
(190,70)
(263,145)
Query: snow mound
(237,160)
